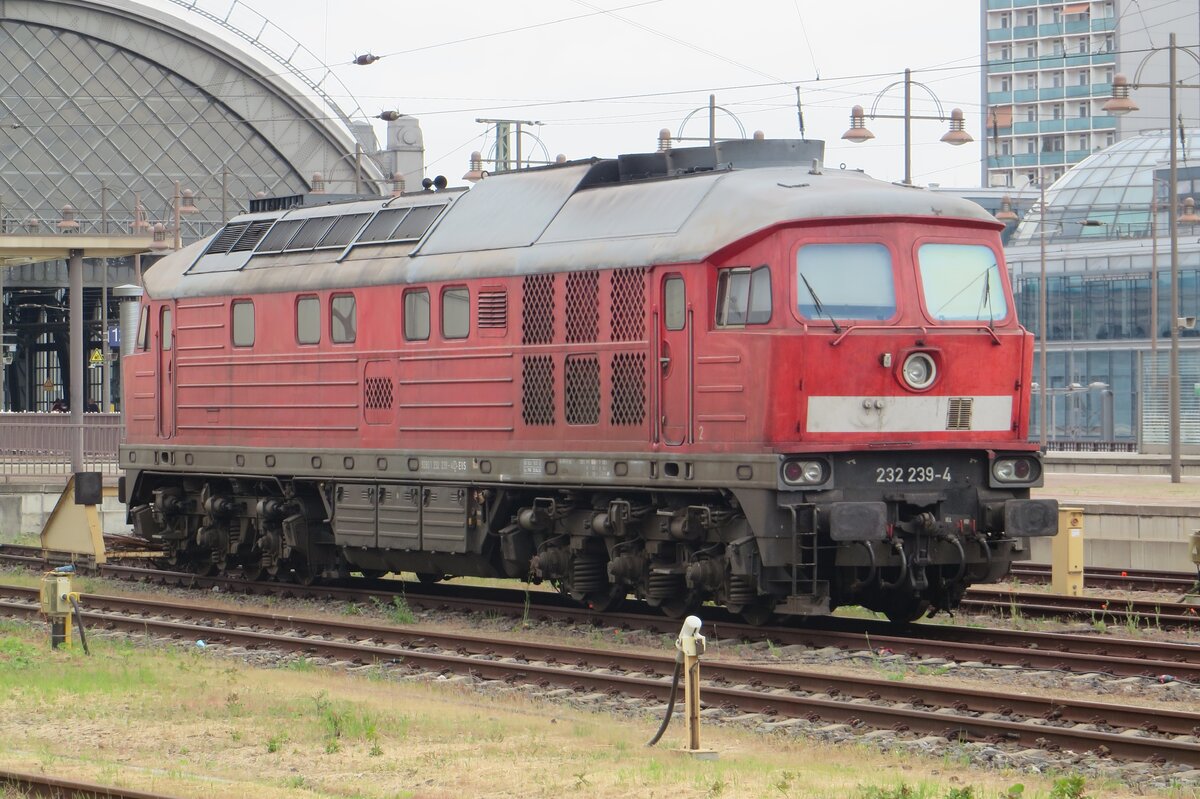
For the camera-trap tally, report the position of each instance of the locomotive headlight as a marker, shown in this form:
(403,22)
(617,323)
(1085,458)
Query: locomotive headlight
(804,472)
(919,371)
(1015,470)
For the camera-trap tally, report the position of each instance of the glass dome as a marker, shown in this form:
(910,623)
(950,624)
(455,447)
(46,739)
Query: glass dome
(1107,195)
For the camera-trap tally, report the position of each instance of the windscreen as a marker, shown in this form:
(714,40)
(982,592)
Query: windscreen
(961,283)
(851,281)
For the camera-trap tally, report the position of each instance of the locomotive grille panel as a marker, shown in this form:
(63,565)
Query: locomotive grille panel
(493,309)
(252,236)
(958,415)
(383,225)
(377,393)
(537,390)
(583,389)
(583,307)
(537,314)
(628,388)
(343,230)
(226,238)
(629,304)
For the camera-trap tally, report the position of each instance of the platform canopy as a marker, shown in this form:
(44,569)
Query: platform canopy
(30,249)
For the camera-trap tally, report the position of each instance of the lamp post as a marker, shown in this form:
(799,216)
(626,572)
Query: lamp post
(858,132)
(1121,104)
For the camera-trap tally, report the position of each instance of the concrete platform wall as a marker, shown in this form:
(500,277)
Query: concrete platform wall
(1133,536)
(24,509)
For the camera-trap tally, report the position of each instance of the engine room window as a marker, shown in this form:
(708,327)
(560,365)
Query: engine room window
(243,323)
(961,283)
(416,315)
(456,313)
(743,297)
(308,320)
(845,282)
(674,303)
(343,321)
(143,335)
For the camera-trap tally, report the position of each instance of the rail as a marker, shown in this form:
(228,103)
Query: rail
(39,444)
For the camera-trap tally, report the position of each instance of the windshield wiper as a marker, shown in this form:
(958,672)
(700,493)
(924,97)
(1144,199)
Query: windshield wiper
(817,304)
(987,297)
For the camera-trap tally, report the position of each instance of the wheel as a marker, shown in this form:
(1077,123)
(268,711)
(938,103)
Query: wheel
(678,607)
(756,613)
(905,609)
(603,602)
(254,571)
(428,578)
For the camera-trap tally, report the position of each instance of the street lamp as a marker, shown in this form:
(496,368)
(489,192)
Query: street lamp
(1121,104)
(858,132)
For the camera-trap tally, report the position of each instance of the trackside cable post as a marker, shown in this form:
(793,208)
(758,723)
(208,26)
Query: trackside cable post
(689,646)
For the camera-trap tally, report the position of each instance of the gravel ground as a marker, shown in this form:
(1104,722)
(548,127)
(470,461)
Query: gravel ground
(878,664)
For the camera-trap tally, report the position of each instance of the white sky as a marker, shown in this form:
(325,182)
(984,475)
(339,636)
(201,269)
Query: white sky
(663,56)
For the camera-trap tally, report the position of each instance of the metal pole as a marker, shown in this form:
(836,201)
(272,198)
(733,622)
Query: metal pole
(712,120)
(907,126)
(1154,275)
(1044,385)
(358,169)
(1176,466)
(75,280)
(178,232)
(105,365)
(517,143)
(3,367)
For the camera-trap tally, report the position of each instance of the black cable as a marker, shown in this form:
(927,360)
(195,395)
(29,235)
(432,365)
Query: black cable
(662,728)
(79,624)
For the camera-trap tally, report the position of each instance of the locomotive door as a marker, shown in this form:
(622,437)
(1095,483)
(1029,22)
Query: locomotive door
(675,362)
(166,373)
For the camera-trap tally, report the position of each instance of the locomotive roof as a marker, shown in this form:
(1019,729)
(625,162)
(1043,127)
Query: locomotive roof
(600,213)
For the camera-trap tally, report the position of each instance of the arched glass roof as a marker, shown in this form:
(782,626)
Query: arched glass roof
(1108,194)
(106,105)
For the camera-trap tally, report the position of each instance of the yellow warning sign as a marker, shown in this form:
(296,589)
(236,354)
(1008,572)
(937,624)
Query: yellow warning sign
(48,385)
(96,358)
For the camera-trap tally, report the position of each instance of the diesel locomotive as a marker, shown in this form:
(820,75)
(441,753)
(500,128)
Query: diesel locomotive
(718,373)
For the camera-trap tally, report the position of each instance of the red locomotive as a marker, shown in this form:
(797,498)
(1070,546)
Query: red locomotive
(717,373)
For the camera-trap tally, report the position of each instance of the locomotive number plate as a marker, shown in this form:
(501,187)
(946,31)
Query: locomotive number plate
(912,474)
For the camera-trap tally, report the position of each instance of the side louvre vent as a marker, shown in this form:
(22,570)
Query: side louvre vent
(537,390)
(227,238)
(582,392)
(583,306)
(629,304)
(377,393)
(492,309)
(627,401)
(537,311)
(958,416)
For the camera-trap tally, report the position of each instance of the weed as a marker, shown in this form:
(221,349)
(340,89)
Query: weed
(301,664)
(400,612)
(717,788)
(332,747)
(772,649)
(376,750)
(784,783)
(276,742)
(16,654)
(1068,788)
(295,781)
(1015,791)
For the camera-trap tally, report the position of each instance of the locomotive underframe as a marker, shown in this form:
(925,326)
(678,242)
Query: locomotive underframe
(674,532)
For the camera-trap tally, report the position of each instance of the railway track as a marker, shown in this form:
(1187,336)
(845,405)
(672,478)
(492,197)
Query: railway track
(1060,652)
(1176,582)
(41,785)
(1119,731)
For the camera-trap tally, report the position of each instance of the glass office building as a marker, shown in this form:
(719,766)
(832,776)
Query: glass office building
(1102,239)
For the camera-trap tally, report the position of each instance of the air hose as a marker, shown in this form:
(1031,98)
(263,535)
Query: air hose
(662,728)
(79,624)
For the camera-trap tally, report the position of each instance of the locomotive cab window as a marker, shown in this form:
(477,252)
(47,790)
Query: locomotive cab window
(308,320)
(243,323)
(416,315)
(456,313)
(343,321)
(743,296)
(961,283)
(850,281)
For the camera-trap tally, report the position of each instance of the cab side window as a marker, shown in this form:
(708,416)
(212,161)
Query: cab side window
(743,296)
(243,323)
(416,315)
(343,319)
(308,320)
